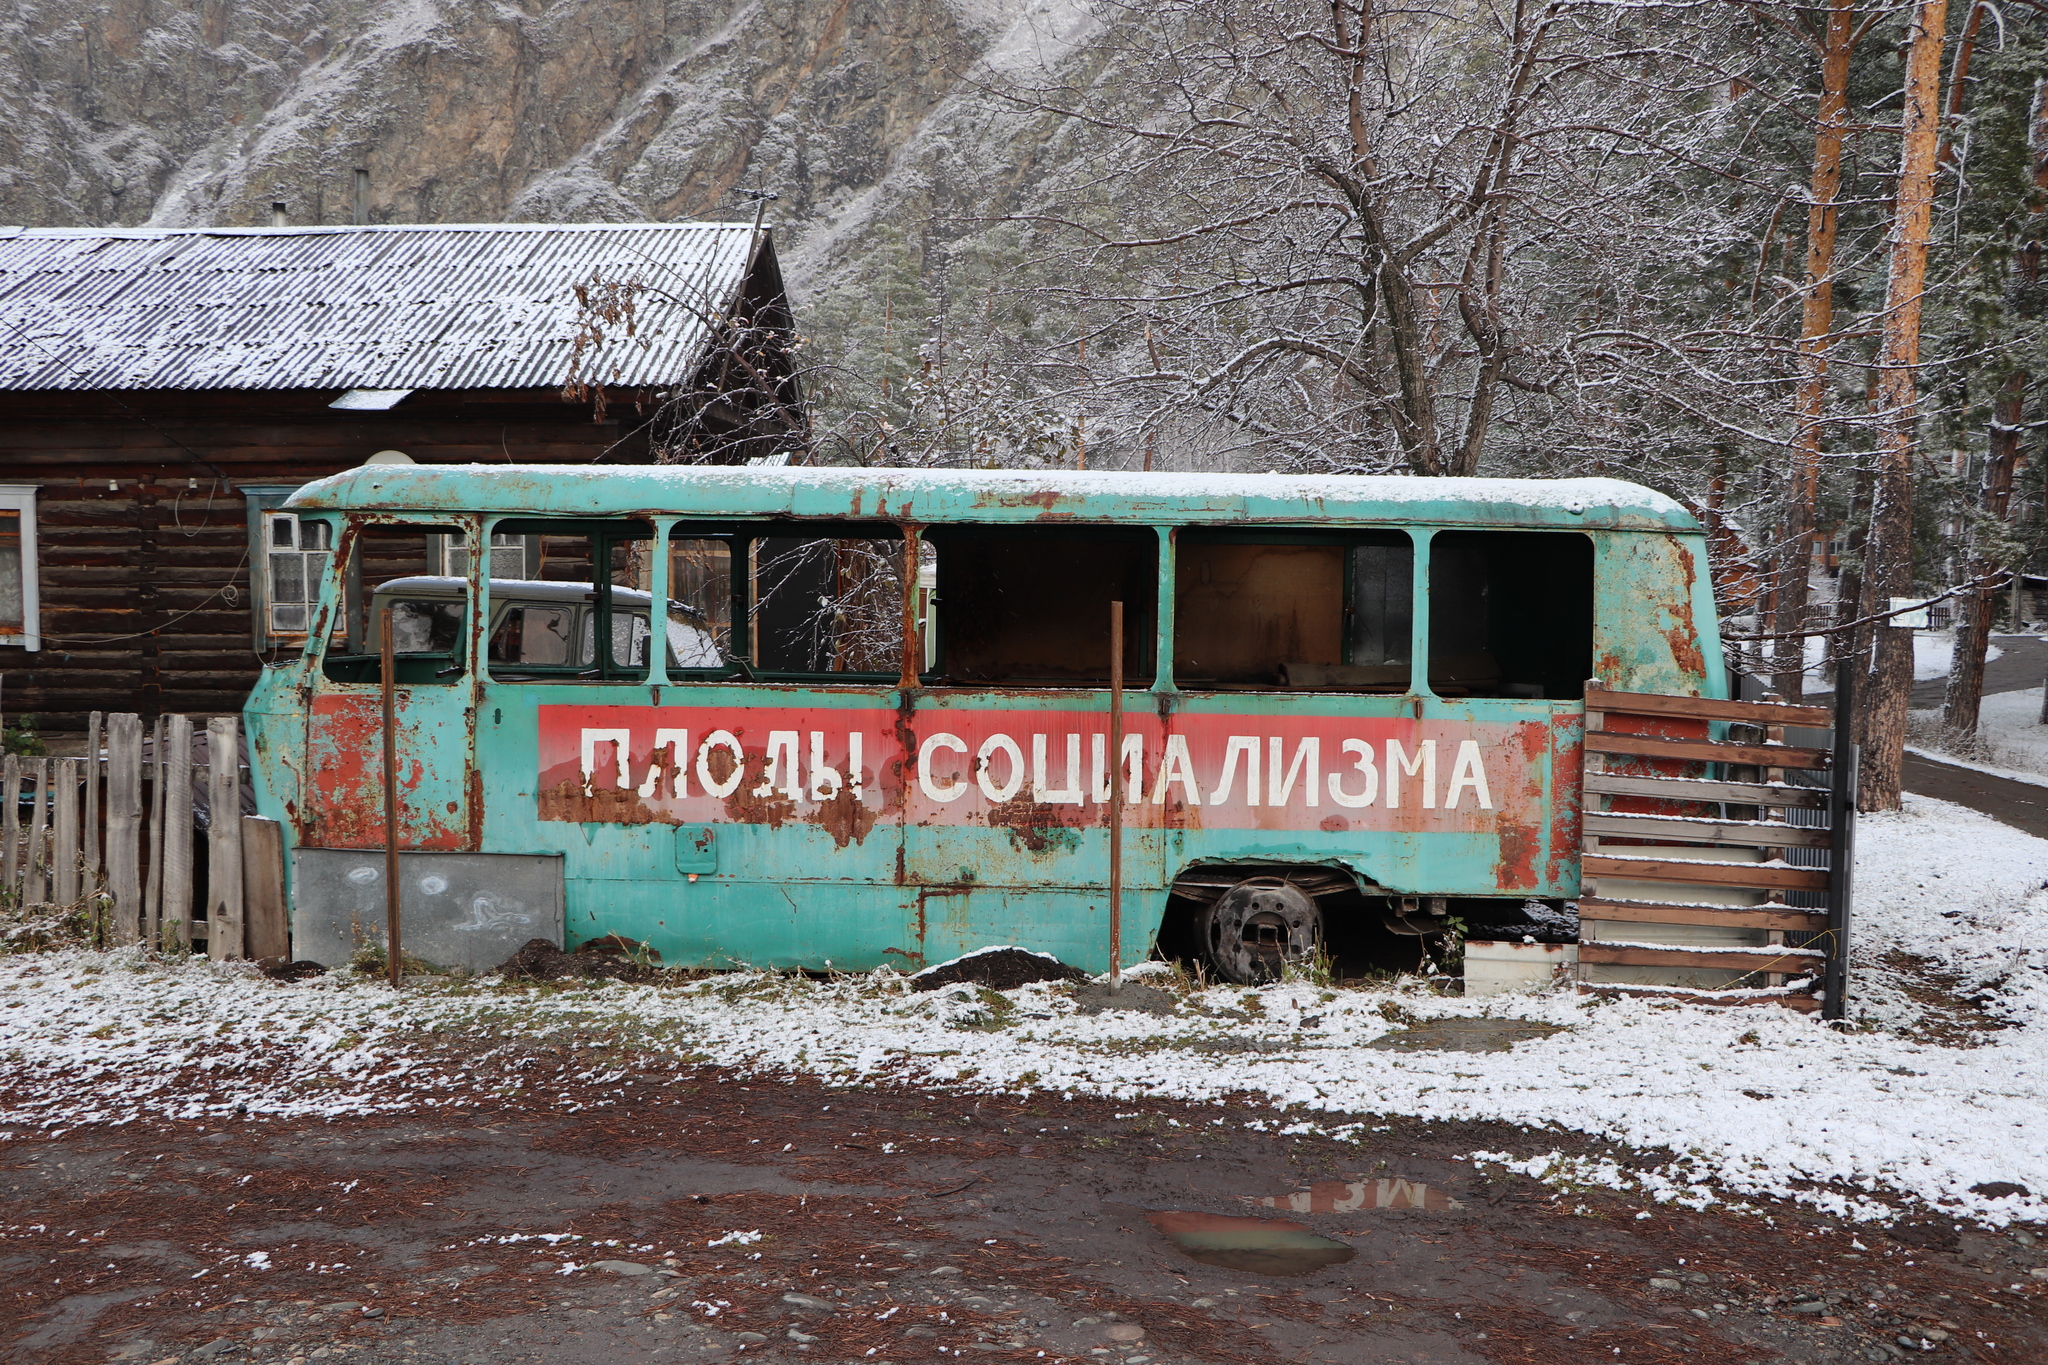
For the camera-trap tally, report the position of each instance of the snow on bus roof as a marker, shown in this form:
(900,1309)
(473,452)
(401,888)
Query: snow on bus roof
(994,495)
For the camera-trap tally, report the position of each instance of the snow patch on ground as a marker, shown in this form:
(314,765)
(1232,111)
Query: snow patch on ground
(1934,655)
(1753,1102)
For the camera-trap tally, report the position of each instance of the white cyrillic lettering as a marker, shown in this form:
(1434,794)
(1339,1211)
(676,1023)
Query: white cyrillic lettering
(1468,771)
(727,740)
(622,744)
(1175,765)
(824,781)
(1069,795)
(1248,747)
(781,758)
(677,742)
(1423,763)
(951,792)
(1004,744)
(853,761)
(1366,768)
(1308,762)
(1134,769)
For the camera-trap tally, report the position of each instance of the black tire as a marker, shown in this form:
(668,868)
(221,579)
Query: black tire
(1257,929)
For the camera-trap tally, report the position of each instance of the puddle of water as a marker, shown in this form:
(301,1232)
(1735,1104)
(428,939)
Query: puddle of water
(1262,1246)
(1464,1035)
(1348,1196)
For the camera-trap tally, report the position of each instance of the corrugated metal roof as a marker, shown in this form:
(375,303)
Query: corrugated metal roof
(484,305)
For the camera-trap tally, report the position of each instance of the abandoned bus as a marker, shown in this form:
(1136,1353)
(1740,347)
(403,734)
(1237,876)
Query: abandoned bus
(876,727)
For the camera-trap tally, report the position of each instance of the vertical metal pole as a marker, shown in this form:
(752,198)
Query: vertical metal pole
(388,673)
(1841,845)
(1116,794)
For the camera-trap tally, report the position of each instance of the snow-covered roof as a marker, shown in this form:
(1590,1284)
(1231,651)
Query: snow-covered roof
(996,495)
(464,306)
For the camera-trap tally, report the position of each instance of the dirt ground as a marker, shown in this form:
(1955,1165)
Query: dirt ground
(903,1226)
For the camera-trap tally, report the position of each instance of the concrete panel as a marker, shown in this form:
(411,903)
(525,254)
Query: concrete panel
(469,910)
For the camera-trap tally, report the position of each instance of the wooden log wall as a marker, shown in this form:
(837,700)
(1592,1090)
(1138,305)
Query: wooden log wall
(142,527)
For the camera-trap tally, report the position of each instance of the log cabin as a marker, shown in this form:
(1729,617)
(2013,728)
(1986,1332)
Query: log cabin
(163,391)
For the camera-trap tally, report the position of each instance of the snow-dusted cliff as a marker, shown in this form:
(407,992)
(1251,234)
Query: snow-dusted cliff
(856,113)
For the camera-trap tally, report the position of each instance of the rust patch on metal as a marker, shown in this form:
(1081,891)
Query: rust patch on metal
(845,818)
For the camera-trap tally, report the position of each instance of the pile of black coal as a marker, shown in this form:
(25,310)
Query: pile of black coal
(292,971)
(540,960)
(999,969)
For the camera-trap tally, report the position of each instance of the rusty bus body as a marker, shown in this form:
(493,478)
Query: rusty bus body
(1353,699)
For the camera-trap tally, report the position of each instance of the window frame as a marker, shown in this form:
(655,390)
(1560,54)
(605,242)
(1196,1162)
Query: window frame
(20,499)
(1346,540)
(259,500)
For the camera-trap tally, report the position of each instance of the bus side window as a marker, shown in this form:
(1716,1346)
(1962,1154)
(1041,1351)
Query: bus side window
(1314,610)
(1029,606)
(389,567)
(826,606)
(581,577)
(1510,614)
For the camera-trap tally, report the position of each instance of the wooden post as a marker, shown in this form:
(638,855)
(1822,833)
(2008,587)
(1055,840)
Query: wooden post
(124,825)
(223,839)
(176,929)
(64,846)
(93,768)
(387,673)
(1116,794)
(10,827)
(153,890)
(263,909)
(35,882)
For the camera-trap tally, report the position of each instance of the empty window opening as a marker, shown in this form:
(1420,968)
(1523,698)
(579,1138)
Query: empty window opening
(388,567)
(1510,614)
(1327,613)
(1027,606)
(827,606)
(582,612)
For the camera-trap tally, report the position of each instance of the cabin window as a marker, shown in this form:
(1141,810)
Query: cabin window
(1256,610)
(1510,614)
(295,555)
(1029,606)
(19,624)
(387,568)
(512,557)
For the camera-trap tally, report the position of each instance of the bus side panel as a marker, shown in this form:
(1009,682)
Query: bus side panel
(1654,627)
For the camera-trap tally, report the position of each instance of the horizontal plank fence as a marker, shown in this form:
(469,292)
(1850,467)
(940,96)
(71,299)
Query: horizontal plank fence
(1716,864)
(141,842)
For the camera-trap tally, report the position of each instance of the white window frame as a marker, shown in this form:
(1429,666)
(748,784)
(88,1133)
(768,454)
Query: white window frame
(20,498)
(263,498)
(268,519)
(448,558)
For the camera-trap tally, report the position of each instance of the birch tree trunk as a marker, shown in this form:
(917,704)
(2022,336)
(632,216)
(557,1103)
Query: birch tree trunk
(1817,320)
(1888,564)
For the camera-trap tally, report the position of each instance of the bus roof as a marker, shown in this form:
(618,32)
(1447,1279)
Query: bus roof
(702,492)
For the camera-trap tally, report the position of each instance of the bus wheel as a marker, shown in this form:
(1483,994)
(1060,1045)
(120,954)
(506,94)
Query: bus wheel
(1257,928)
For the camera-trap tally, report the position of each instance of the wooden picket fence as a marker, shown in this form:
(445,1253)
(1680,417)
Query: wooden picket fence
(1717,863)
(112,837)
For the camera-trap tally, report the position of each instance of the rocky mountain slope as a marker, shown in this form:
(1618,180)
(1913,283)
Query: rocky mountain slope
(868,118)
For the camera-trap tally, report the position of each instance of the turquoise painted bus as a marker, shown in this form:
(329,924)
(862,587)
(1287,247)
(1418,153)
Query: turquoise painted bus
(846,718)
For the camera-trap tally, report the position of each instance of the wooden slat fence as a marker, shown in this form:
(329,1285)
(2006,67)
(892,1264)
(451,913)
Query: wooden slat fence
(106,842)
(1716,855)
